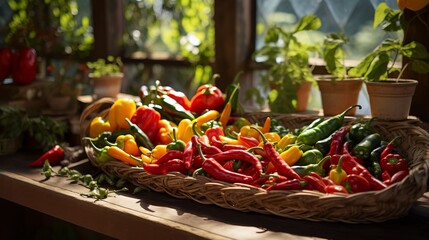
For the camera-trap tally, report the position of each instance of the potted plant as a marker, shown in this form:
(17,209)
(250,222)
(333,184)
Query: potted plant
(12,126)
(106,76)
(337,85)
(16,125)
(390,98)
(289,78)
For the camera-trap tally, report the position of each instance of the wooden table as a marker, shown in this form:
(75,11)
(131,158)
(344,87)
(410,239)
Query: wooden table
(152,215)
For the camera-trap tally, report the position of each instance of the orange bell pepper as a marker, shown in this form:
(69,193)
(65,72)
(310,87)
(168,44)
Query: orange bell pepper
(165,132)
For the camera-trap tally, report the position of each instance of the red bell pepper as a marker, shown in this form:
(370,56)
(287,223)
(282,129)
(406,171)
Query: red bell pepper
(6,62)
(147,119)
(54,156)
(24,66)
(356,183)
(207,97)
(393,163)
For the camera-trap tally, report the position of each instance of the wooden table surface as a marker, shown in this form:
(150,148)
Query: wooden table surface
(152,215)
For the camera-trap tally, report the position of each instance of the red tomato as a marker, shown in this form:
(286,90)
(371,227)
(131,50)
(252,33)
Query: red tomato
(207,97)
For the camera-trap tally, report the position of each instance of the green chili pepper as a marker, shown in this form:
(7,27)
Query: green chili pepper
(101,153)
(313,124)
(232,93)
(360,130)
(323,129)
(373,164)
(316,167)
(312,156)
(172,107)
(324,145)
(141,138)
(363,149)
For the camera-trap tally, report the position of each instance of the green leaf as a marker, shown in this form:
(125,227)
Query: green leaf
(378,68)
(361,69)
(381,13)
(419,66)
(308,22)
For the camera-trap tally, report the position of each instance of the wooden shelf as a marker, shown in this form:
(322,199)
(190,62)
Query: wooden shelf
(160,216)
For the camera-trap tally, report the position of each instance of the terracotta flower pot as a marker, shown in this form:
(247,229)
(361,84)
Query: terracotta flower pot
(339,95)
(107,86)
(391,99)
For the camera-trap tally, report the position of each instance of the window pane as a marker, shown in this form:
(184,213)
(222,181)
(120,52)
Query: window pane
(183,28)
(353,17)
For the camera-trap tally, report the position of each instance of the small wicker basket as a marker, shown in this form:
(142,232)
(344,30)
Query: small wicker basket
(373,206)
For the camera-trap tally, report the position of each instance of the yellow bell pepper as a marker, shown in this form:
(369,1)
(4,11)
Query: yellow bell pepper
(98,125)
(185,131)
(158,152)
(286,140)
(128,144)
(413,5)
(121,109)
(247,131)
(291,155)
(272,136)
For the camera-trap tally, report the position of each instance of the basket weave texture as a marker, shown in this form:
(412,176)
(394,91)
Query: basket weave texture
(374,206)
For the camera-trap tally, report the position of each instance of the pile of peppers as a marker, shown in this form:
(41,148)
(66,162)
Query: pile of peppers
(326,155)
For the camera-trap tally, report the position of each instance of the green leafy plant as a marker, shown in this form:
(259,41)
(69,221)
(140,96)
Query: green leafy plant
(46,131)
(288,59)
(333,55)
(108,66)
(380,63)
(13,122)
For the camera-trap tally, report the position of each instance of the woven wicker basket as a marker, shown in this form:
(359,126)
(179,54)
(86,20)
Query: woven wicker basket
(374,206)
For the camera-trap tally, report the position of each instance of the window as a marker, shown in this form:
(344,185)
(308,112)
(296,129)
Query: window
(352,17)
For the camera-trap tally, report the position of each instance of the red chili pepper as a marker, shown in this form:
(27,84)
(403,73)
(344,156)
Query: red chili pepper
(228,147)
(282,167)
(205,147)
(147,119)
(173,165)
(316,184)
(399,176)
(388,149)
(171,154)
(334,188)
(385,176)
(356,183)
(351,166)
(393,163)
(188,154)
(238,154)
(6,62)
(24,66)
(337,140)
(217,171)
(207,97)
(249,142)
(214,132)
(291,184)
(55,155)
